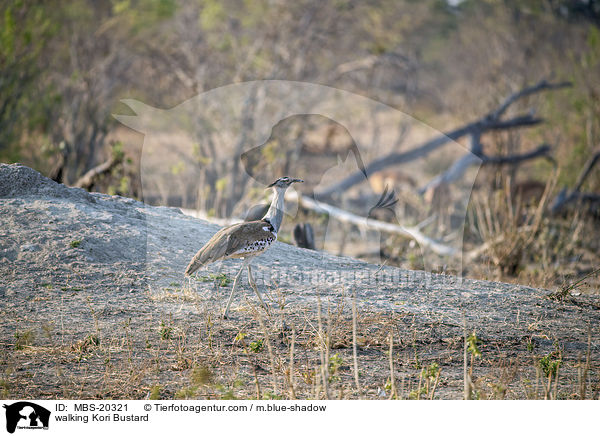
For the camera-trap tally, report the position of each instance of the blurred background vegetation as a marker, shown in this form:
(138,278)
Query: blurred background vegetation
(65,66)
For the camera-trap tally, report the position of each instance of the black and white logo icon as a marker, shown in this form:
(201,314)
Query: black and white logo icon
(26,415)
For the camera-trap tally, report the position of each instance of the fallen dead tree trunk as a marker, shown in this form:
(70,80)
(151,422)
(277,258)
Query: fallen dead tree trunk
(369,224)
(88,179)
(487,123)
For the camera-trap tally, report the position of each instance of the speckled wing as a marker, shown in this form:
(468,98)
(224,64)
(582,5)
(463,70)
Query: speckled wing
(237,240)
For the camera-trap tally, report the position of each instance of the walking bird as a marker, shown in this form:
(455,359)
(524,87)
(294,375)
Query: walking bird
(245,240)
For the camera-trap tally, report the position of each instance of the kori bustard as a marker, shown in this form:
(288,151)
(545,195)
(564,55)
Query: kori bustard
(245,240)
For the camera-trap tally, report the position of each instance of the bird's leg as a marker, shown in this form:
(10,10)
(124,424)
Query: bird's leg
(235,283)
(255,288)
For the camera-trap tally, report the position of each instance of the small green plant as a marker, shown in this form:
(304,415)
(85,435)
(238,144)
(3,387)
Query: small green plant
(4,389)
(499,390)
(240,337)
(23,339)
(417,363)
(431,375)
(202,375)
(530,345)
(335,362)
(388,385)
(549,364)
(155,392)
(85,346)
(271,396)
(256,346)
(75,243)
(431,371)
(221,279)
(186,393)
(473,343)
(91,341)
(417,393)
(308,376)
(165,331)
(48,330)
(227,394)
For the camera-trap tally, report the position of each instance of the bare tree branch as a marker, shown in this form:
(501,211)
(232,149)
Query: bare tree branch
(540,86)
(587,168)
(453,173)
(487,123)
(459,167)
(565,198)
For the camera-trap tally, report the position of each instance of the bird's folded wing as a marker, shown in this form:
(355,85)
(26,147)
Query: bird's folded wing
(230,241)
(243,235)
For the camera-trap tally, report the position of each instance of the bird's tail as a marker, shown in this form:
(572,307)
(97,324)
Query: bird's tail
(205,255)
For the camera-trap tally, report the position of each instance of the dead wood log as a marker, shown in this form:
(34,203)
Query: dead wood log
(413,232)
(89,178)
(489,122)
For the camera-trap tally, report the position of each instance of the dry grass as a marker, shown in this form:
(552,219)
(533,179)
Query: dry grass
(515,241)
(336,352)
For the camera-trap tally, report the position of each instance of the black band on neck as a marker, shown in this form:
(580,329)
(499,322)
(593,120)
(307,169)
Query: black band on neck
(269,223)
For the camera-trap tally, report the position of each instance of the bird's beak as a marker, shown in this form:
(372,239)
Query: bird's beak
(297,181)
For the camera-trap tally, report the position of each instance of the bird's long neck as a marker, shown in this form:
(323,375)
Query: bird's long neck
(275,213)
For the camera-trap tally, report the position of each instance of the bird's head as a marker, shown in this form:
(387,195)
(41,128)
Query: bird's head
(284,182)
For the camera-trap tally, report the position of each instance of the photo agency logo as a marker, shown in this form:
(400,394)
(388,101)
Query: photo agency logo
(25,415)
(367,192)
